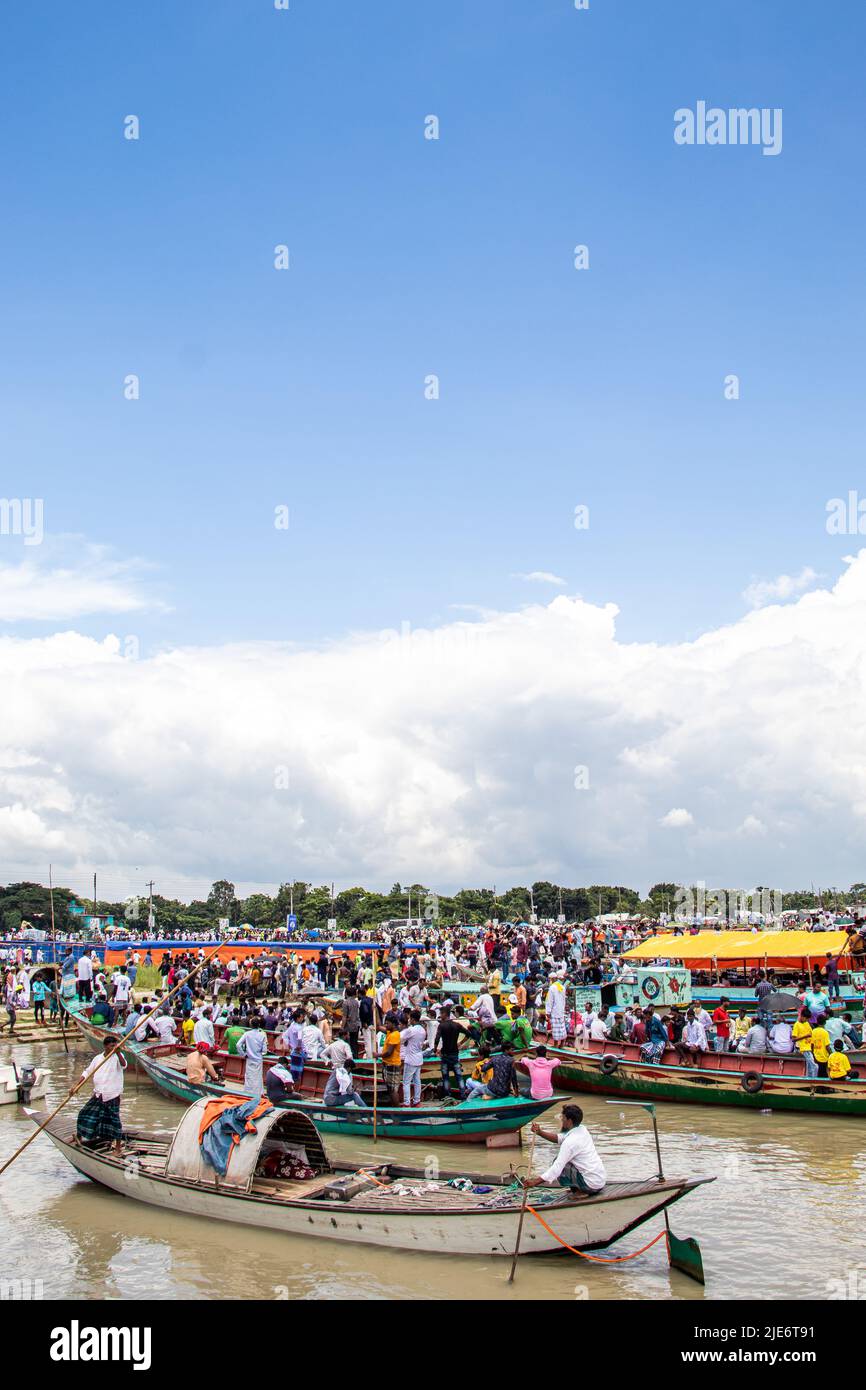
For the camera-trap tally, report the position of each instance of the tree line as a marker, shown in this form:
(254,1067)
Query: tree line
(362,907)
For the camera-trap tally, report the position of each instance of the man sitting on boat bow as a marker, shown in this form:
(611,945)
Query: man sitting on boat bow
(577,1166)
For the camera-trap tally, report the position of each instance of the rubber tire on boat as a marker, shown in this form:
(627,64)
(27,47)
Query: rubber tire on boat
(752,1082)
(609,1063)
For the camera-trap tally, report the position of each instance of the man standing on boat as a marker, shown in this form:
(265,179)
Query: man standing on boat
(253,1046)
(99,1120)
(577,1166)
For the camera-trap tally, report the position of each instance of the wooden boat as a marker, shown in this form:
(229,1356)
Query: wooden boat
(770,1063)
(460,1122)
(388,1205)
(744,1086)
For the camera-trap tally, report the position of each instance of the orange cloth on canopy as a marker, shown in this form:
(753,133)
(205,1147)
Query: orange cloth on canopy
(215,1108)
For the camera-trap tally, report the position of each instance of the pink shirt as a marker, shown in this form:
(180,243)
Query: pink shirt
(540,1071)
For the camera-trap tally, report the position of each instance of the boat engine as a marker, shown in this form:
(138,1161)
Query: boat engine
(26,1082)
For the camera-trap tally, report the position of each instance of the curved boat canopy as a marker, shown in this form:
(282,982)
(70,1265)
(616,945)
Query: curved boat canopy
(779,948)
(290,1131)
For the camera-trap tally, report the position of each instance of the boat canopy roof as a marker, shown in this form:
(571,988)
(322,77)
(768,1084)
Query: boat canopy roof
(779,948)
(288,1129)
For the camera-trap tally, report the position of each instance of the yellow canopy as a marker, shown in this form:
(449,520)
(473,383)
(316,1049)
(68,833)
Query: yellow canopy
(780,948)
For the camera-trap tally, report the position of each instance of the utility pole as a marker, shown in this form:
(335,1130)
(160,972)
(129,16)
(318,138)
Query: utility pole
(150,908)
(94,892)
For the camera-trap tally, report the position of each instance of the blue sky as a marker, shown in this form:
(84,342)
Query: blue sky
(411,257)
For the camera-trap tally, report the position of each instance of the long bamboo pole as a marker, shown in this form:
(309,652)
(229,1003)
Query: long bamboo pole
(522,1209)
(117,1046)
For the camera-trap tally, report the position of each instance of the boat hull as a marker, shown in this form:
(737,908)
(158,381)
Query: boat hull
(645,1081)
(589,1225)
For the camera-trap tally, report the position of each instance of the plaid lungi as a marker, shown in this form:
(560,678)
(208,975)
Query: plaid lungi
(652,1051)
(393,1077)
(99,1121)
(557,1027)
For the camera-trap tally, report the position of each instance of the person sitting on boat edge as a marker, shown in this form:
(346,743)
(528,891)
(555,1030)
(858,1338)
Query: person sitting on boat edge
(539,1083)
(199,1067)
(693,1040)
(838,1066)
(279,1084)
(503,1080)
(577,1166)
(756,1038)
(98,1121)
(340,1091)
(656,1036)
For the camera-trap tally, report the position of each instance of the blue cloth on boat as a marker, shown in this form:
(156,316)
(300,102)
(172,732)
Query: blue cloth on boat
(216,1144)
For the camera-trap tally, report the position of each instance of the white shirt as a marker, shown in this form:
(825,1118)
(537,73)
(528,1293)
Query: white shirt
(109,1082)
(483,1009)
(121,983)
(203,1031)
(577,1147)
(598,1029)
(84,968)
(163,1025)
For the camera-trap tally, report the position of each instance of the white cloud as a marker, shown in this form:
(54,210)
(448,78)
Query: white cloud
(67,578)
(752,825)
(677,818)
(542,577)
(448,756)
(785,586)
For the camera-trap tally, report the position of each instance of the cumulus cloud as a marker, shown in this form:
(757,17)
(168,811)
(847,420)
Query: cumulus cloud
(763,591)
(66,578)
(542,577)
(448,755)
(677,818)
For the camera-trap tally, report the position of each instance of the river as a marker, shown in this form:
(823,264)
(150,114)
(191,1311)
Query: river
(784,1217)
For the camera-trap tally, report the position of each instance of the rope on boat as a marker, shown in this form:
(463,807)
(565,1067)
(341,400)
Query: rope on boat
(362,1173)
(598,1259)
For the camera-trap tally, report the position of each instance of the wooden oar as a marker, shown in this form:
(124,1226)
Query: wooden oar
(683,1254)
(117,1046)
(522,1209)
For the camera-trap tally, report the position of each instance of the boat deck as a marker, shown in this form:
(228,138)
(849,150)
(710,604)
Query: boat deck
(389,1186)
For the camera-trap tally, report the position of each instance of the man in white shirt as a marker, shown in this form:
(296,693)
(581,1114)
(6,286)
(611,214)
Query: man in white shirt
(577,1166)
(163,1026)
(203,1031)
(99,1120)
(600,1027)
(122,985)
(483,1010)
(84,976)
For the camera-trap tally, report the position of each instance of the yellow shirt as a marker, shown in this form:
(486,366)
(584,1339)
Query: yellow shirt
(483,1070)
(838,1066)
(392,1058)
(188,1028)
(802,1034)
(741,1026)
(820,1044)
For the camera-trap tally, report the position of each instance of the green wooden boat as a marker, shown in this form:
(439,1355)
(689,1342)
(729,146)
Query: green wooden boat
(607,1075)
(470,1121)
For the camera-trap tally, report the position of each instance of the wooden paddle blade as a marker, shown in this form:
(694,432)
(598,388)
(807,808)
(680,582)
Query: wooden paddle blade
(685,1255)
